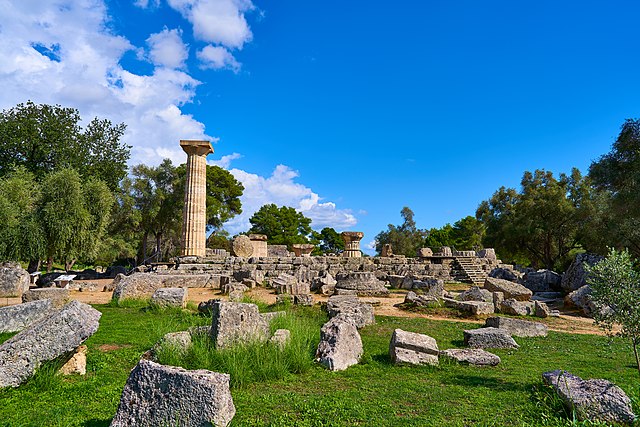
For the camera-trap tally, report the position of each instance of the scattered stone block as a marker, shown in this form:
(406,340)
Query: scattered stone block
(542,281)
(269,316)
(413,348)
(576,277)
(206,307)
(475,293)
(517,308)
(419,300)
(281,337)
(326,283)
(592,400)
(303,299)
(471,356)
(581,298)
(541,309)
(14,280)
(58,297)
(498,297)
(157,395)
(488,338)
(505,274)
(340,344)
(234,322)
(288,284)
(517,327)
(473,307)
(170,297)
(242,246)
(284,299)
(15,318)
(509,289)
(362,283)
(350,306)
(431,288)
(57,335)
(77,364)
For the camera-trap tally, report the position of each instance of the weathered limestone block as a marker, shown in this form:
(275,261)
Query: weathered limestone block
(498,298)
(576,277)
(242,246)
(425,252)
(281,337)
(269,316)
(14,280)
(517,308)
(475,293)
(541,309)
(362,282)
(170,297)
(471,356)
(350,306)
(237,322)
(488,253)
(77,364)
(505,274)
(259,243)
(387,250)
(488,338)
(430,287)
(57,335)
(419,300)
(340,344)
(58,297)
(413,348)
(473,307)
(325,283)
(509,289)
(143,285)
(542,281)
(277,251)
(593,400)
(303,299)
(15,318)
(581,298)
(517,327)
(157,395)
(288,284)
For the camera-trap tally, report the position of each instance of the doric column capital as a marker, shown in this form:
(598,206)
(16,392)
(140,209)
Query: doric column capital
(199,148)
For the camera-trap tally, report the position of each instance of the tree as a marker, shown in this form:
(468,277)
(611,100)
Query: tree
(466,234)
(615,291)
(44,138)
(544,222)
(405,239)
(282,225)
(328,241)
(617,174)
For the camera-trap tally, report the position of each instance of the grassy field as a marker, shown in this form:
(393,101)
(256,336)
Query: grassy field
(373,393)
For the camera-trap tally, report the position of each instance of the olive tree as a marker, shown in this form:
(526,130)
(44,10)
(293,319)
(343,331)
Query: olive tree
(615,291)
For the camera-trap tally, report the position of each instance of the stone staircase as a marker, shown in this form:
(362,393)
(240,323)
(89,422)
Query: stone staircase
(468,271)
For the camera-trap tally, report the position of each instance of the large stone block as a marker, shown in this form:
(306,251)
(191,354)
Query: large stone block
(593,400)
(488,338)
(363,283)
(350,306)
(52,337)
(242,246)
(413,348)
(15,318)
(158,395)
(517,327)
(170,297)
(475,293)
(237,322)
(509,289)
(576,277)
(517,308)
(471,356)
(143,285)
(340,344)
(14,280)
(58,297)
(542,281)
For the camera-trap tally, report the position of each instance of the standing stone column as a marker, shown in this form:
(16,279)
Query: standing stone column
(352,243)
(194,215)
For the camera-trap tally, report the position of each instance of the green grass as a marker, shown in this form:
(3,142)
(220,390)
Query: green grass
(373,393)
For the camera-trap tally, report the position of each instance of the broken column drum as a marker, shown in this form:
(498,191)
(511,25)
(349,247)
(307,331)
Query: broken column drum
(194,217)
(303,249)
(352,243)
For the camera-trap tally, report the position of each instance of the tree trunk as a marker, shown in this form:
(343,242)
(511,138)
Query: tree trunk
(635,352)
(34,265)
(68,265)
(49,264)
(143,256)
(158,246)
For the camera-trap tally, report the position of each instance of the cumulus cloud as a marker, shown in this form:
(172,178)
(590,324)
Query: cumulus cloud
(167,49)
(281,189)
(217,57)
(225,161)
(63,52)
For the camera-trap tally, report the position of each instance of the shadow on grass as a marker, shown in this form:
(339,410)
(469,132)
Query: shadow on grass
(492,383)
(97,423)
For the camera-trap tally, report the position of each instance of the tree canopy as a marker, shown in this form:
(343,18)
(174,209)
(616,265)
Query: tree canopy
(43,138)
(282,225)
(328,241)
(405,239)
(466,234)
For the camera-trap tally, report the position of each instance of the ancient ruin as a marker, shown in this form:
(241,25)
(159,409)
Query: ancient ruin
(352,244)
(194,217)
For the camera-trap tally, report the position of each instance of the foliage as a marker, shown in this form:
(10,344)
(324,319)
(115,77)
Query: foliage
(328,241)
(405,239)
(543,222)
(616,175)
(219,239)
(615,291)
(282,225)
(466,234)
(44,138)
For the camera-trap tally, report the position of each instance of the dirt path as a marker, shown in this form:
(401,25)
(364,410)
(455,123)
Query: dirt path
(569,322)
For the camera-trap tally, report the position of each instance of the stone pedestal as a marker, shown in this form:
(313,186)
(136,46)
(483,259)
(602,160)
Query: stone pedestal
(303,249)
(352,243)
(387,251)
(194,216)
(259,242)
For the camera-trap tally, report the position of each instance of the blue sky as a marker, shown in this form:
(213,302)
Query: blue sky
(347,111)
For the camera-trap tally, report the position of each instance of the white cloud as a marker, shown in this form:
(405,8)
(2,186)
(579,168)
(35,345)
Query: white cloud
(281,189)
(371,245)
(167,48)
(145,3)
(63,52)
(217,57)
(225,161)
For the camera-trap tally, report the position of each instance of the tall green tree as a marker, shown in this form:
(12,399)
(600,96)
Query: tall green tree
(282,225)
(543,222)
(405,239)
(465,234)
(328,241)
(617,175)
(44,138)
